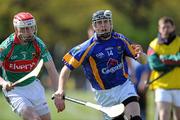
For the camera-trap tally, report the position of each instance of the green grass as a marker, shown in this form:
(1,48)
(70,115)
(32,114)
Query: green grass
(150,110)
(5,110)
(72,112)
(75,111)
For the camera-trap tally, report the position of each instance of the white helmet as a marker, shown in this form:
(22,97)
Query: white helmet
(101,15)
(25,26)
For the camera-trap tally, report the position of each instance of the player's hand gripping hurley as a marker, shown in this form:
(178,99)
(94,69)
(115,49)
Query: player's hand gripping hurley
(35,73)
(112,111)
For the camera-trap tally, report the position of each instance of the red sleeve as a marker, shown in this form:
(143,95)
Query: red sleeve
(150,51)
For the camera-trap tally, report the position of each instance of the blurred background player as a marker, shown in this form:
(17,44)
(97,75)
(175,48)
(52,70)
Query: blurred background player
(164,61)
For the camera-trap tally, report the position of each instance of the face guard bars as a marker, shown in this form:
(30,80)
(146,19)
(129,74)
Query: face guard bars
(102,15)
(23,21)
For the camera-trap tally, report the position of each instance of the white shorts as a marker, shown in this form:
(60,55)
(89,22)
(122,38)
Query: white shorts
(115,95)
(30,95)
(170,96)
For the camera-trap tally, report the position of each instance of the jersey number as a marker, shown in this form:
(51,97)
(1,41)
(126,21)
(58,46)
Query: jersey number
(109,52)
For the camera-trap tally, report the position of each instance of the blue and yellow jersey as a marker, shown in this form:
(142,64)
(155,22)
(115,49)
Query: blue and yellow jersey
(103,61)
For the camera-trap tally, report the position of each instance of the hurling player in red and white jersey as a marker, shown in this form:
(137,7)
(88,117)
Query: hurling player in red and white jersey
(19,55)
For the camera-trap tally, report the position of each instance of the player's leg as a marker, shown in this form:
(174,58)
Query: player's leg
(132,110)
(46,117)
(164,110)
(117,95)
(28,113)
(176,113)
(176,104)
(130,100)
(103,97)
(163,99)
(29,101)
(20,104)
(39,109)
(40,103)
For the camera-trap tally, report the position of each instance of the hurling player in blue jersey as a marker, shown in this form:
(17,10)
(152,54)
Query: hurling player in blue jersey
(103,60)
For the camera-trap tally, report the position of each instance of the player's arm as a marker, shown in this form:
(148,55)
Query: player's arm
(63,77)
(2,81)
(52,72)
(172,60)
(58,95)
(49,63)
(155,63)
(73,59)
(5,84)
(140,56)
(135,51)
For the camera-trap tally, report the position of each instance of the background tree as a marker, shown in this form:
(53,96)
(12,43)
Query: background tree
(63,24)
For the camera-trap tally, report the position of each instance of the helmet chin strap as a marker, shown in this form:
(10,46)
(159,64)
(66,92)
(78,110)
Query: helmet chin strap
(26,40)
(104,36)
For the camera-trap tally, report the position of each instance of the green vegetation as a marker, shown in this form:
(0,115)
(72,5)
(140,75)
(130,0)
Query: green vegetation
(64,23)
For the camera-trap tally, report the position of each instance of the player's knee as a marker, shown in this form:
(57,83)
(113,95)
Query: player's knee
(29,114)
(136,118)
